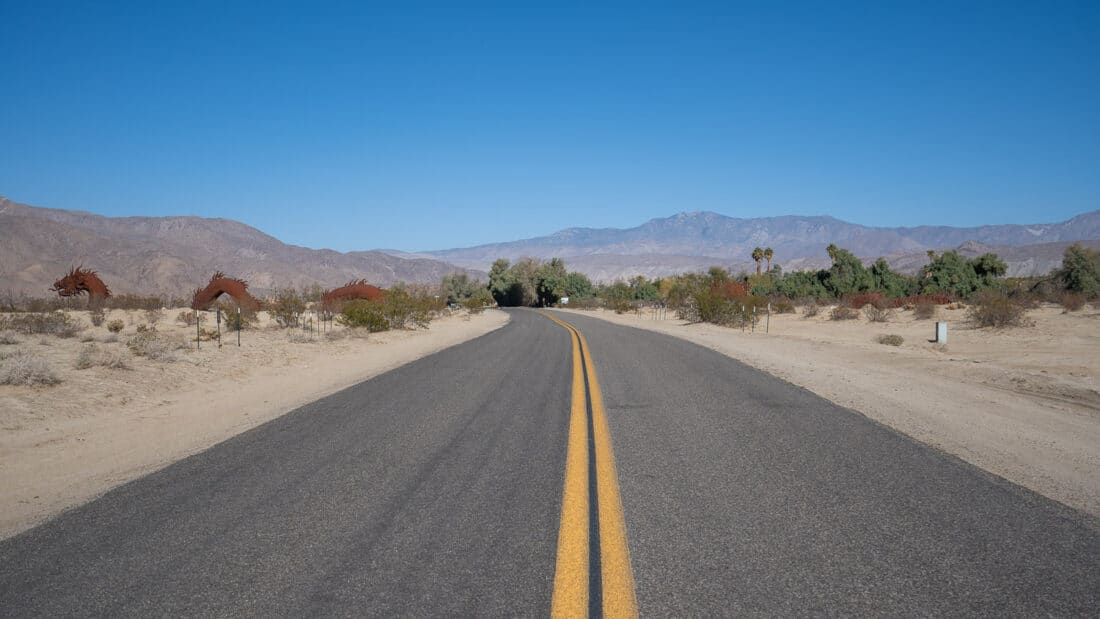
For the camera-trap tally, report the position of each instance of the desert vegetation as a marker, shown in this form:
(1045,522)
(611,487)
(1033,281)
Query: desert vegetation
(848,289)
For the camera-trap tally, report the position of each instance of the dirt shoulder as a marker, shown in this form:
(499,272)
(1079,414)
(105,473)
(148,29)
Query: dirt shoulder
(65,444)
(1021,403)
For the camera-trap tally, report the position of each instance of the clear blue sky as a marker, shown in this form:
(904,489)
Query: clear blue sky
(425,126)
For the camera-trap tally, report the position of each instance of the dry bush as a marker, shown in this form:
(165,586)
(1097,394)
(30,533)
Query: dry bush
(26,368)
(152,345)
(938,298)
(811,310)
(153,316)
(286,306)
(924,310)
(115,326)
(110,338)
(58,324)
(87,337)
(994,308)
(235,317)
(97,316)
(7,337)
(1072,301)
(188,318)
(92,356)
(890,339)
(298,337)
(782,306)
(875,313)
(841,312)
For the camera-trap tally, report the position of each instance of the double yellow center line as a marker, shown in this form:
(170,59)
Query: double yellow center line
(591,510)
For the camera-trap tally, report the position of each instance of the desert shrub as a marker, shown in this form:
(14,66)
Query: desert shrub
(811,309)
(205,335)
(586,303)
(153,316)
(286,306)
(363,314)
(26,368)
(478,301)
(115,326)
(782,306)
(407,308)
(1072,301)
(186,318)
(924,310)
(110,338)
(97,316)
(7,337)
(890,339)
(152,345)
(841,312)
(994,308)
(708,305)
(234,317)
(298,337)
(878,314)
(87,337)
(1080,270)
(91,356)
(59,324)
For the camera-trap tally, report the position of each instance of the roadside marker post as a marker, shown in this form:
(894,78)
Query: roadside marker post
(239,325)
(768,321)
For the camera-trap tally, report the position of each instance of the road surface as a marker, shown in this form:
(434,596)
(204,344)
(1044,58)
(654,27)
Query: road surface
(539,468)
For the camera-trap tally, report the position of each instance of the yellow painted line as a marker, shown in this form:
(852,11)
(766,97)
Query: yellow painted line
(571,572)
(616,577)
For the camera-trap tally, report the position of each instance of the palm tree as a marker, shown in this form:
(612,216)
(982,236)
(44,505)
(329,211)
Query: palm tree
(758,255)
(768,253)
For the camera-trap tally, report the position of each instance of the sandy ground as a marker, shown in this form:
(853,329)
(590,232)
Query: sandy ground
(1022,403)
(65,444)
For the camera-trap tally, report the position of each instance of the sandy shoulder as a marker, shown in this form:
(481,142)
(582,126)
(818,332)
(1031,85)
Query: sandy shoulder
(1021,403)
(63,445)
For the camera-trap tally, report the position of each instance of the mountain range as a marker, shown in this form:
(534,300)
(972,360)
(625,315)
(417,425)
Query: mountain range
(695,241)
(174,255)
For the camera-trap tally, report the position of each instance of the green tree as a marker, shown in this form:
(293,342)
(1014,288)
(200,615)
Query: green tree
(953,274)
(500,281)
(550,282)
(890,283)
(768,253)
(1081,270)
(457,287)
(643,289)
(577,285)
(847,275)
(757,256)
(949,273)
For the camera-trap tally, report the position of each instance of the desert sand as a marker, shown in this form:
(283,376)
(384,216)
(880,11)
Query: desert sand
(65,444)
(1022,403)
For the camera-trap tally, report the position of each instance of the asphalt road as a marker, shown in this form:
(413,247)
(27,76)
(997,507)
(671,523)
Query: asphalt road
(436,490)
